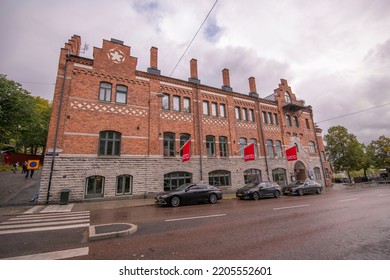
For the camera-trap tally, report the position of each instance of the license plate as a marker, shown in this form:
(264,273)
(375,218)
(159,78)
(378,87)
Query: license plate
(239,194)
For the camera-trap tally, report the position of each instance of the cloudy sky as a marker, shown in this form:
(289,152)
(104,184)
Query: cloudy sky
(334,54)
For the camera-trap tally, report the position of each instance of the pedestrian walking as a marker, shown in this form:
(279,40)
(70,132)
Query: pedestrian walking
(24,167)
(16,166)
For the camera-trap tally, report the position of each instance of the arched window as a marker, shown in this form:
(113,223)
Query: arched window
(287,97)
(110,143)
(312,147)
(124,184)
(174,180)
(169,144)
(317,173)
(278,146)
(252,140)
(243,144)
(219,178)
(270,148)
(252,175)
(223,146)
(210,145)
(94,187)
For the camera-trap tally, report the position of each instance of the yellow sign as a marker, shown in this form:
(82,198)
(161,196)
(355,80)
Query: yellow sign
(33,164)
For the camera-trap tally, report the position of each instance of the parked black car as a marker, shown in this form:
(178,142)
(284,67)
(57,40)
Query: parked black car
(189,194)
(303,187)
(259,190)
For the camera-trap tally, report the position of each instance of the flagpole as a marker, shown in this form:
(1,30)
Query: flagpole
(181,148)
(244,147)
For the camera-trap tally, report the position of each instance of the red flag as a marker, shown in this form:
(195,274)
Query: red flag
(186,151)
(291,153)
(249,152)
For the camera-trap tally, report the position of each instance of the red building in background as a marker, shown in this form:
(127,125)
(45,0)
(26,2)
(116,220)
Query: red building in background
(119,132)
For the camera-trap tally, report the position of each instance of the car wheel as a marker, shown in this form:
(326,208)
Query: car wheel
(256,196)
(300,192)
(276,193)
(318,191)
(175,201)
(213,198)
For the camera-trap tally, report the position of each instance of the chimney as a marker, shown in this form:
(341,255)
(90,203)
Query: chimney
(194,72)
(153,69)
(252,87)
(226,80)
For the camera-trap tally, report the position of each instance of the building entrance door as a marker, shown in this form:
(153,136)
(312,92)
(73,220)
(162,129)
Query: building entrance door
(300,170)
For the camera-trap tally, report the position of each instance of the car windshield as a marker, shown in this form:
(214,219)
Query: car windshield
(184,186)
(250,185)
(298,183)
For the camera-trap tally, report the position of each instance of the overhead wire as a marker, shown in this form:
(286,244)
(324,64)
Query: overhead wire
(193,38)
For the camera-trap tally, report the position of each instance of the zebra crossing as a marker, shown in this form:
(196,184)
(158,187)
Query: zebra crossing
(45,218)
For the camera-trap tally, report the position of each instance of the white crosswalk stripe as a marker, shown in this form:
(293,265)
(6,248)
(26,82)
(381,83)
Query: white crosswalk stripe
(45,221)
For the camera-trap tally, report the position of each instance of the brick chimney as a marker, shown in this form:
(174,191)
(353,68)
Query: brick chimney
(194,72)
(153,69)
(226,80)
(252,87)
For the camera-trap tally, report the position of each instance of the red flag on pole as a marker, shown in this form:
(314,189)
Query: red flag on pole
(291,153)
(186,151)
(249,152)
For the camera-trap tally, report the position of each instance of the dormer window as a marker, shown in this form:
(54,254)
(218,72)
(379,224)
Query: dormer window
(287,97)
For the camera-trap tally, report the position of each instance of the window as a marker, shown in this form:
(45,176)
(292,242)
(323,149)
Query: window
(165,102)
(169,144)
(265,119)
(183,139)
(326,173)
(323,157)
(295,119)
(244,114)
(94,186)
(276,121)
(288,120)
(109,143)
(278,146)
(317,173)
(223,146)
(210,145)
(312,147)
(121,94)
(242,146)
(105,92)
(251,115)
(174,180)
(222,110)
(252,140)
(252,176)
(238,114)
(124,185)
(206,108)
(307,123)
(186,105)
(176,103)
(287,97)
(271,120)
(214,109)
(219,178)
(270,148)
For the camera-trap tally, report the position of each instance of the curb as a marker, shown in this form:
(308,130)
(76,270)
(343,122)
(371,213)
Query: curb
(108,231)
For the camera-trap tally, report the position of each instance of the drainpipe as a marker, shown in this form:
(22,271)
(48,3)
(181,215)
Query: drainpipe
(199,134)
(263,140)
(57,129)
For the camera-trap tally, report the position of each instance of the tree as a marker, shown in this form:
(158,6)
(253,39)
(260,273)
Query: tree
(381,153)
(24,119)
(344,151)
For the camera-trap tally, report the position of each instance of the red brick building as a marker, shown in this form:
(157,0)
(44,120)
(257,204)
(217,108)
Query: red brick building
(116,131)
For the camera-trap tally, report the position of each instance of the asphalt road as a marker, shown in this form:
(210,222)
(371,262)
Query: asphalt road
(348,224)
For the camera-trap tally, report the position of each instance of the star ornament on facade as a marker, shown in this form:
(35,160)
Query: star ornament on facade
(116,56)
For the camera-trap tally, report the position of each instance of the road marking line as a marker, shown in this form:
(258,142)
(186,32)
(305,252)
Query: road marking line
(350,199)
(198,217)
(57,255)
(385,194)
(38,224)
(291,207)
(43,228)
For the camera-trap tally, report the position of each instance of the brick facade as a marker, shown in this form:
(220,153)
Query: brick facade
(108,96)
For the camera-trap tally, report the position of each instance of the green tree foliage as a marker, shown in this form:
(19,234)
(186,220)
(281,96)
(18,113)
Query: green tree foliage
(344,150)
(381,153)
(24,119)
